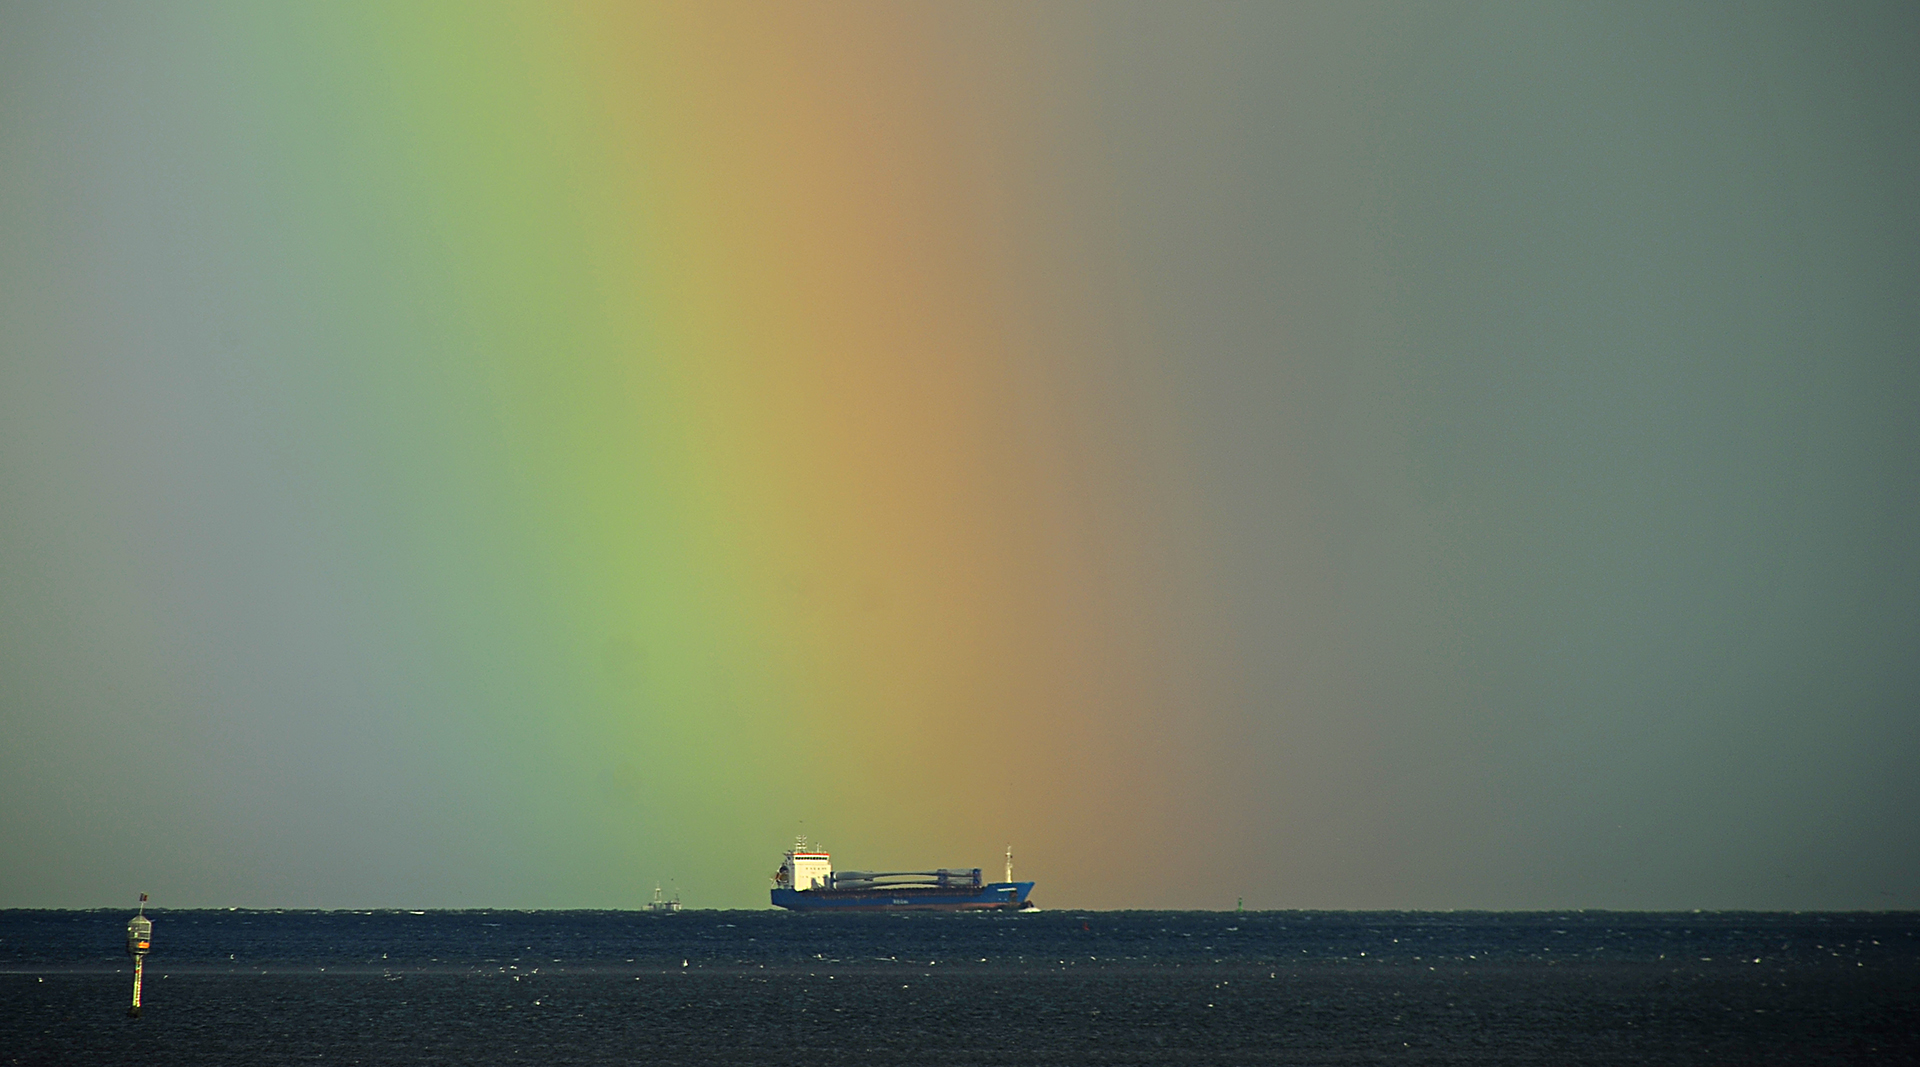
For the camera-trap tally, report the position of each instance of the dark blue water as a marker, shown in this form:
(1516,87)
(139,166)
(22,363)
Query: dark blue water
(1050,987)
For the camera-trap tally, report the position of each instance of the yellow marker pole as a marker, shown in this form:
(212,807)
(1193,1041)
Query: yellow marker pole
(139,943)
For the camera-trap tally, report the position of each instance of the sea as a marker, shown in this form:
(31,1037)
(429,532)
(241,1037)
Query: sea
(1048,987)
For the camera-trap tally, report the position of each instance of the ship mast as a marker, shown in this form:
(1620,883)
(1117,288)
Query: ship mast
(1009,863)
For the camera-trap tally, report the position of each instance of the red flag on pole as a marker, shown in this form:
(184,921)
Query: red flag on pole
(143,898)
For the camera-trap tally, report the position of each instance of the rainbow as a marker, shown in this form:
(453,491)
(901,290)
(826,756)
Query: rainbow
(677,427)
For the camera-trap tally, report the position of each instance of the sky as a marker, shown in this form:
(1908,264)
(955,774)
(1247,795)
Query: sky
(1321,456)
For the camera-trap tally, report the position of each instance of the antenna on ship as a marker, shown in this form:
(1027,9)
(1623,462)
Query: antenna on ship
(1009,863)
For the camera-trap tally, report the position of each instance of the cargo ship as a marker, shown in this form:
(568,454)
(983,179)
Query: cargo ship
(807,881)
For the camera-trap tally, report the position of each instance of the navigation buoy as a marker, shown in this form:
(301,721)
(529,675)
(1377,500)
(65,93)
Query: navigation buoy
(139,942)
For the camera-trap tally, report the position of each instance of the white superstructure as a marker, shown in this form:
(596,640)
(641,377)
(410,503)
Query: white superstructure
(804,869)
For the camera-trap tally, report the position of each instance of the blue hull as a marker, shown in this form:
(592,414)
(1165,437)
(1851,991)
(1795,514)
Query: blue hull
(999,896)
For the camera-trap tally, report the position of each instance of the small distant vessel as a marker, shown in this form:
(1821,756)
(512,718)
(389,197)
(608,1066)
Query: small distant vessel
(806,880)
(660,905)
